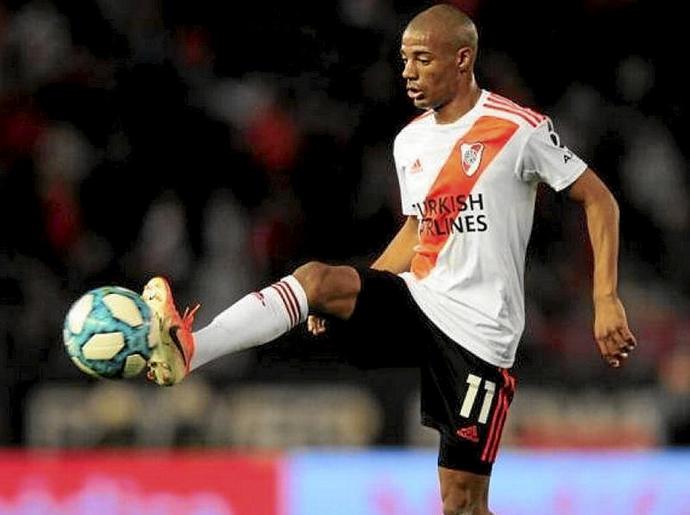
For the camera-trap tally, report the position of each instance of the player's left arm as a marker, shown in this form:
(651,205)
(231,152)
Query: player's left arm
(611,331)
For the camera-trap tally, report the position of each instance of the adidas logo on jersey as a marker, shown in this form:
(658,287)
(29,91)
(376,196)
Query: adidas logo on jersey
(469,433)
(471,157)
(416,166)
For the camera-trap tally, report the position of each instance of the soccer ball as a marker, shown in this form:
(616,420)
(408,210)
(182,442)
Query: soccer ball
(110,332)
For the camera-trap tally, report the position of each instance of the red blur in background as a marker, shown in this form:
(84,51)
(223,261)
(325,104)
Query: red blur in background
(119,482)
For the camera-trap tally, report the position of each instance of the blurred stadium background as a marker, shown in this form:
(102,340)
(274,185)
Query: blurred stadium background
(222,143)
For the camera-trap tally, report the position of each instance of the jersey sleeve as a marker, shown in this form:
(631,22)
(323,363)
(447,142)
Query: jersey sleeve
(407,208)
(546,159)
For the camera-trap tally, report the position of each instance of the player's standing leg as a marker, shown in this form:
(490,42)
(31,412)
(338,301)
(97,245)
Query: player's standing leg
(255,319)
(463,493)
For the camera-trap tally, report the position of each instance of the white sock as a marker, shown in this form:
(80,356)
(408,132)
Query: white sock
(253,320)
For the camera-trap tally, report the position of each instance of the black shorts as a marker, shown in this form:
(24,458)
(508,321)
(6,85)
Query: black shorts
(465,398)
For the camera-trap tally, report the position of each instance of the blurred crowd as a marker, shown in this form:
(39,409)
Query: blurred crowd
(221,144)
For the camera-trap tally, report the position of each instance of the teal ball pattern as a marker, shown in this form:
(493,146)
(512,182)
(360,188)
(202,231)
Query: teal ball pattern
(91,321)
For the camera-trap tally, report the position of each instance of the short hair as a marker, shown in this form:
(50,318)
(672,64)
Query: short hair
(455,25)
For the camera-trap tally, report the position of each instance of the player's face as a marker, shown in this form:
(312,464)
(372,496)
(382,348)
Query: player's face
(430,68)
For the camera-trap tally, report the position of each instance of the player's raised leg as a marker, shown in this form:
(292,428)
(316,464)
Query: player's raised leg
(255,319)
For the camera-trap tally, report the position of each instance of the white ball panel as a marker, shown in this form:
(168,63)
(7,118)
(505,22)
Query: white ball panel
(123,309)
(78,313)
(134,364)
(84,368)
(103,346)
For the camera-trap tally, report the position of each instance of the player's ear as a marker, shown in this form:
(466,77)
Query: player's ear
(464,59)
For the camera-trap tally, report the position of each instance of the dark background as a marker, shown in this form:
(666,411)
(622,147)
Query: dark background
(221,144)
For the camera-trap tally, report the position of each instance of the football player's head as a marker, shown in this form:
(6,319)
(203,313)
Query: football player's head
(439,48)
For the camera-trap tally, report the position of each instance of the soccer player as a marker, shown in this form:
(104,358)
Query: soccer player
(447,294)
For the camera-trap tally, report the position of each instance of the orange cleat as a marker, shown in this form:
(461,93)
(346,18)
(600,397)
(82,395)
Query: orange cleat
(171,358)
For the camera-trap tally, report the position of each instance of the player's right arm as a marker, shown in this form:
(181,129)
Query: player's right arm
(400,251)
(395,259)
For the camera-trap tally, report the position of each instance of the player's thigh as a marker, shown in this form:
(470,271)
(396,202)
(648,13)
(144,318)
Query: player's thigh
(386,328)
(467,400)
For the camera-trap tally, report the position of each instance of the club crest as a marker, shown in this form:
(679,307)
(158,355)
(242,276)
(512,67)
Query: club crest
(471,157)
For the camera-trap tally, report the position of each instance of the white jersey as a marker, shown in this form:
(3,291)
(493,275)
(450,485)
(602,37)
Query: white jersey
(472,185)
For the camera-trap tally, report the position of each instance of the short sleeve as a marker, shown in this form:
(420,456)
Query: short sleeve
(407,208)
(546,159)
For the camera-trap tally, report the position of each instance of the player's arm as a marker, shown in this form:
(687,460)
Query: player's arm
(396,259)
(611,331)
(400,251)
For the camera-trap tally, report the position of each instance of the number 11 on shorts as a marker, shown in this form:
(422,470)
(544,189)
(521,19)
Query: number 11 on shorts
(473,383)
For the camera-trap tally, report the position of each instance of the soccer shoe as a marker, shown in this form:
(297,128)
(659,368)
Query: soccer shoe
(170,359)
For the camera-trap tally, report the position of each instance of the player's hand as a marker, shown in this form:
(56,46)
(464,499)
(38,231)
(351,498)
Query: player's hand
(316,325)
(611,331)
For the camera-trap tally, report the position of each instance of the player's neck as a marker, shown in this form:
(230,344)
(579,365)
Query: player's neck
(460,105)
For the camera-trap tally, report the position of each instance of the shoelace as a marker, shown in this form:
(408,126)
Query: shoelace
(187,319)
(188,316)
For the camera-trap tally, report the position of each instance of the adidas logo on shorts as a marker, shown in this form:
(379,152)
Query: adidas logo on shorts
(469,433)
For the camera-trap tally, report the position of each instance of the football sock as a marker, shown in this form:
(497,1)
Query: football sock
(253,320)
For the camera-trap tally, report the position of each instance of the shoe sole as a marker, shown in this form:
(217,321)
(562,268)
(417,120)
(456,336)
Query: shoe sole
(158,295)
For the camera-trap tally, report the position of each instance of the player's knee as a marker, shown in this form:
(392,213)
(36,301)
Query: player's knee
(320,283)
(457,506)
(329,289)
(461,498)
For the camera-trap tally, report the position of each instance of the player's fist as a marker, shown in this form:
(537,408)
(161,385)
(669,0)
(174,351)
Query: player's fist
(316,325)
